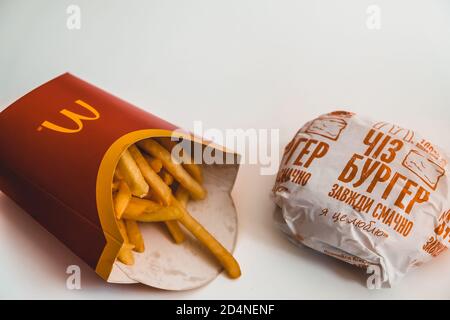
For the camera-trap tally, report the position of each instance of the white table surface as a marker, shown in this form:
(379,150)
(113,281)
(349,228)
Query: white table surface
(232,64)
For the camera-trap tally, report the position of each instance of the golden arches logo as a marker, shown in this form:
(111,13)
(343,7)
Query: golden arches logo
(75,117)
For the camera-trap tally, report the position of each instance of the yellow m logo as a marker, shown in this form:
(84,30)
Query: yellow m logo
(75,117)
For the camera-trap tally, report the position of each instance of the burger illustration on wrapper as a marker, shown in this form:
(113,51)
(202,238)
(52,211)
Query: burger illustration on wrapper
(368,193)
(119,187)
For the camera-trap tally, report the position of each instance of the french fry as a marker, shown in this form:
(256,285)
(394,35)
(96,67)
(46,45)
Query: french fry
(176,170)
(134,235)
(175,231)
(166,177)
(160,203)
(225,258)
(121,199)
(162,214)
(182,195)
(173,226)
(152,196)
(115,186)
(122,230)
(125,254)
(138,205)
(132,175)
(161,190)
(151,177)
(154,163)
(193,169)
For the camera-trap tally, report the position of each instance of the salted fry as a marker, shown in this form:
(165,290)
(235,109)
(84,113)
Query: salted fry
(122,230)
(162,214)
(157,170)
(182,195)
(121,199)
(137,206)
(156,164)
(166,177)
(151,177)
(173,226)
(175,231)
(132,175)
(134,235)
(176,170)
(125,254)
(193,169)
(152,196)
(225,258)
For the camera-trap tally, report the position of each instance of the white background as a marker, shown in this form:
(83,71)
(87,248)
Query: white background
(232,64)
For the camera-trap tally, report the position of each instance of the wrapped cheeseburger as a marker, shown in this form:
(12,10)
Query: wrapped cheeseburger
(368,193)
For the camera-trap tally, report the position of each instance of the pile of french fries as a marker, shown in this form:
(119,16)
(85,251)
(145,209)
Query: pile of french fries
(149,186)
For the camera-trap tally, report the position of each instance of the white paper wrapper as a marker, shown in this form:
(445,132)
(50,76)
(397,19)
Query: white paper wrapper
(368,193)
